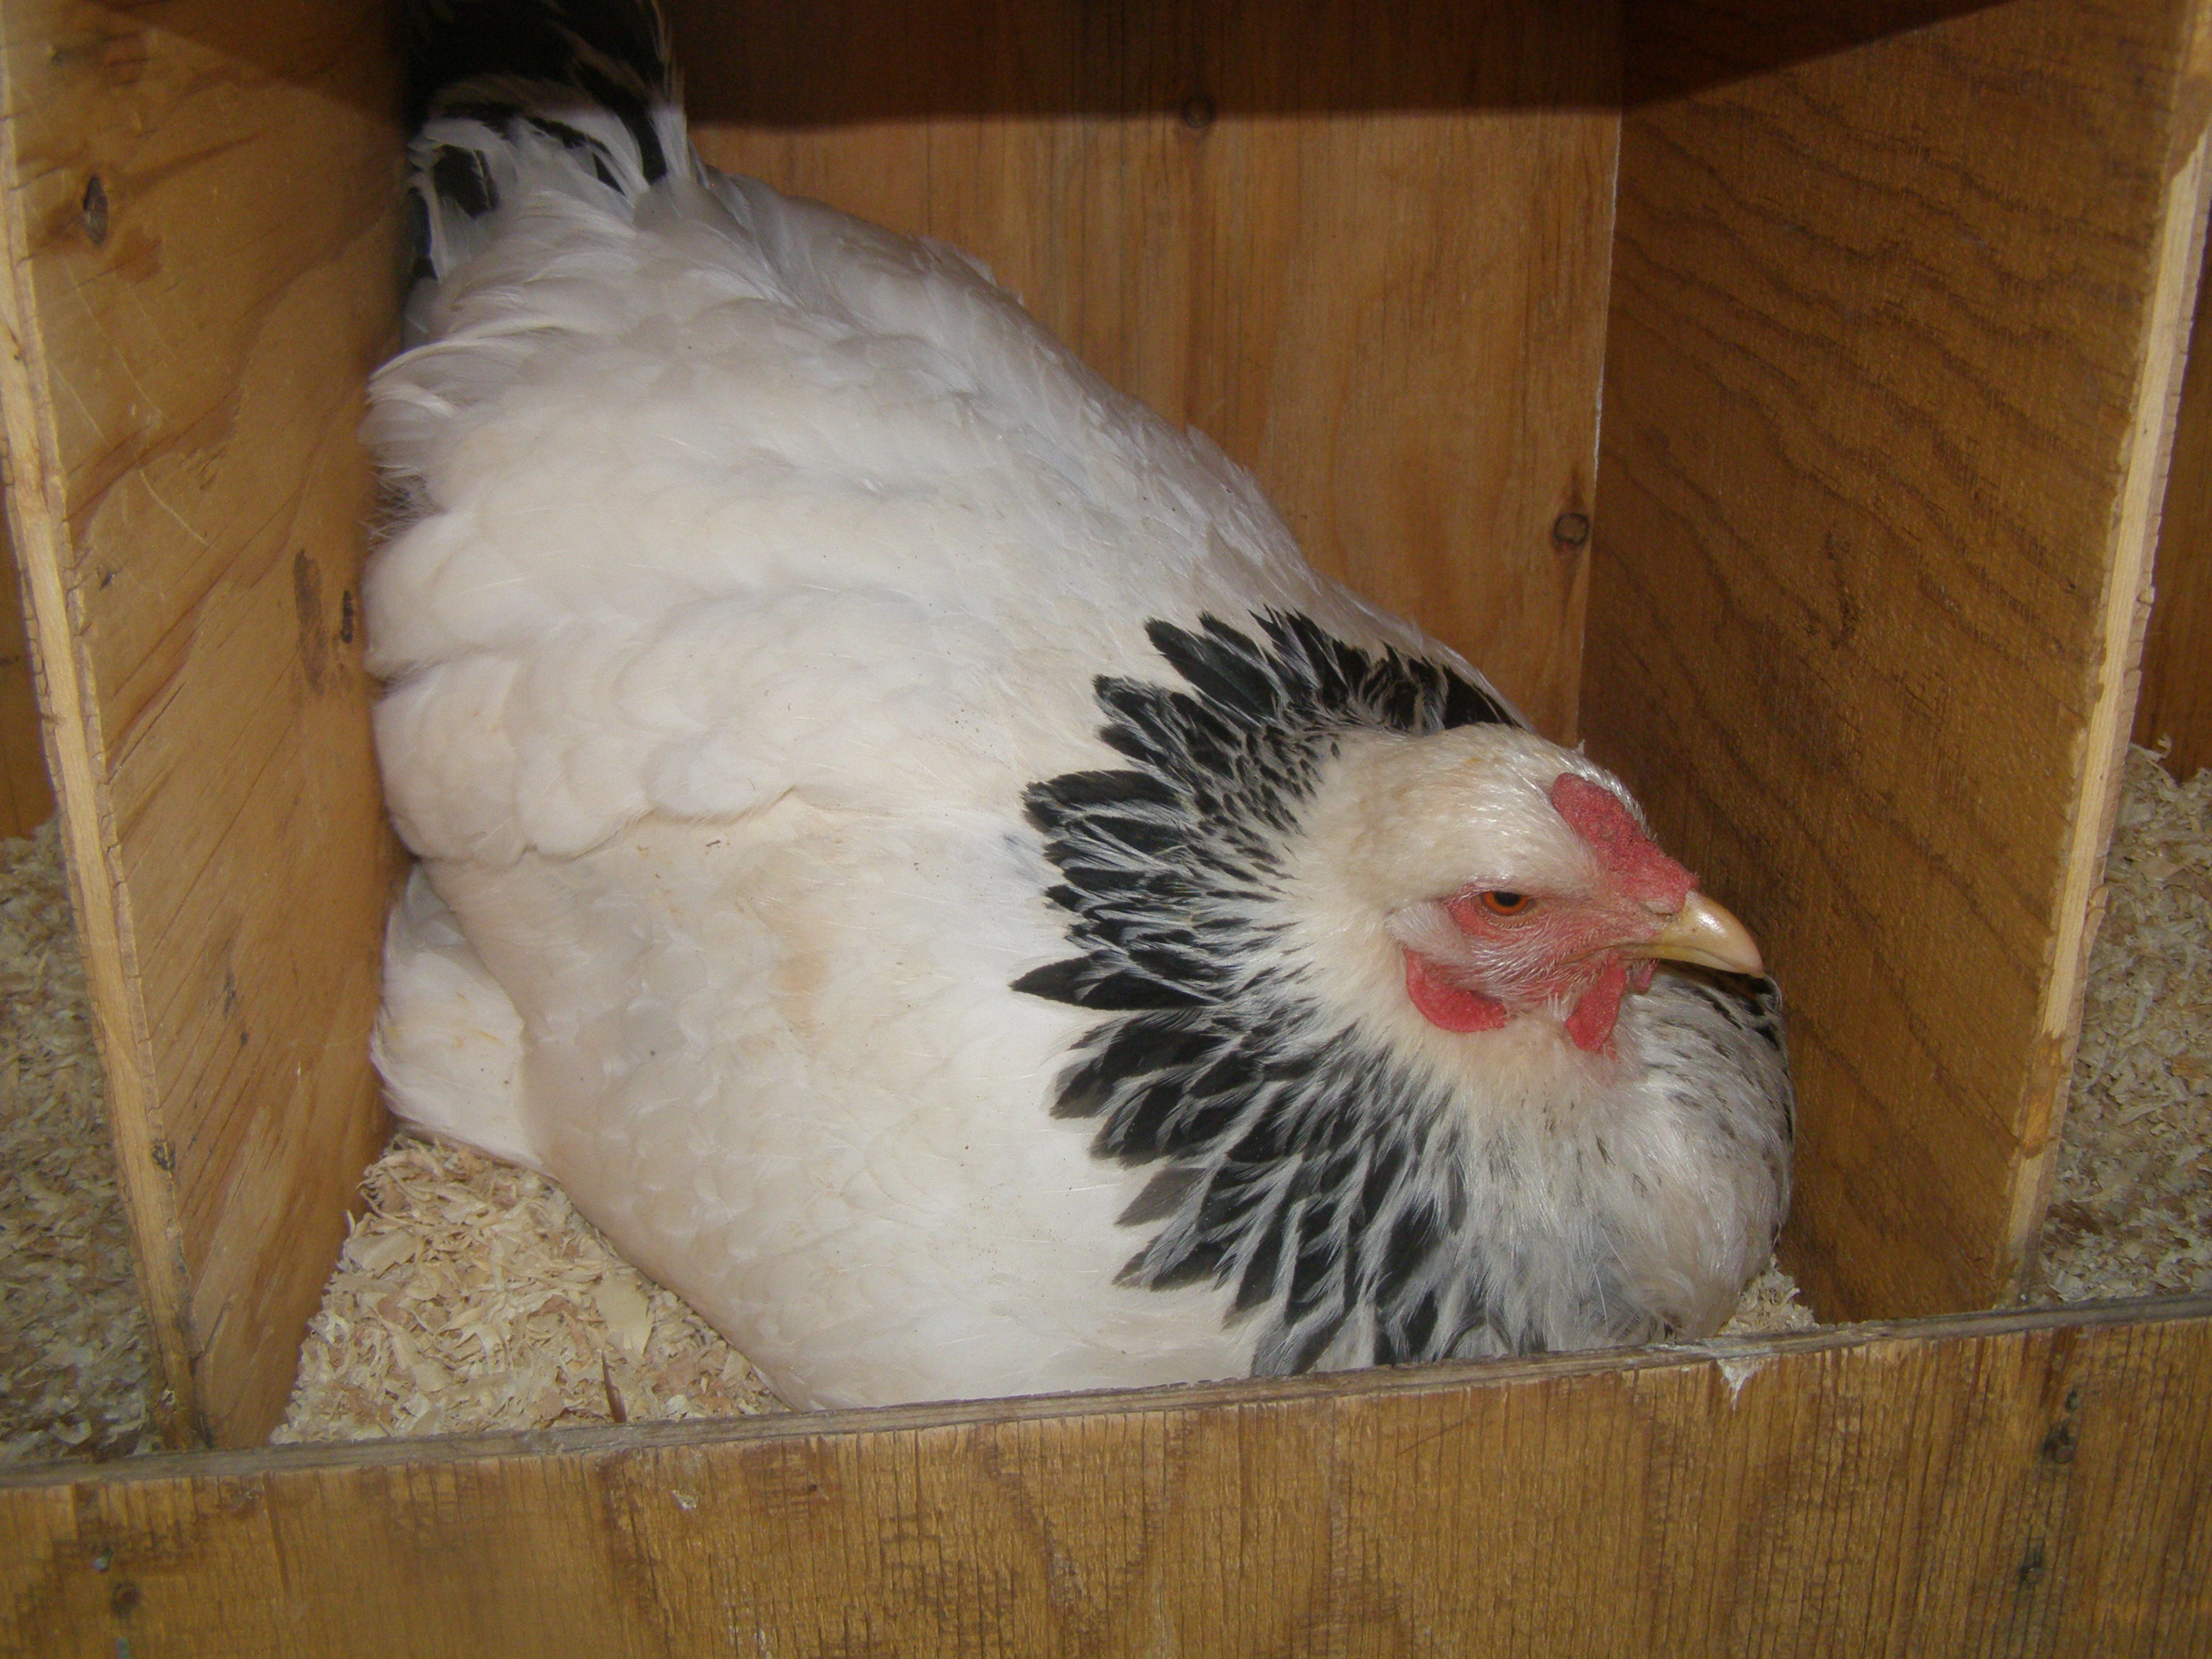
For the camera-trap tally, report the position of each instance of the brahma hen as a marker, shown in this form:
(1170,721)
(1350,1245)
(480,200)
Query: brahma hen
(909,842)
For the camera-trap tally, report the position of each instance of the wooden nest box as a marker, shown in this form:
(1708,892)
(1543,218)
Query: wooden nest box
(1777,395)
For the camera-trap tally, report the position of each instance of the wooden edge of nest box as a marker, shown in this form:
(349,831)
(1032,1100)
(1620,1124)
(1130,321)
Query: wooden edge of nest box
(2021,1482)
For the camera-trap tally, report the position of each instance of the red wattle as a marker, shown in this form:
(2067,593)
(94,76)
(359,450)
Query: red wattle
(1452,1007)
(1591,1024)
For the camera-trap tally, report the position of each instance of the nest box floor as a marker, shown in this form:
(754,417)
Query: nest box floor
(470,1296)
(75,1361)
(2131,1206)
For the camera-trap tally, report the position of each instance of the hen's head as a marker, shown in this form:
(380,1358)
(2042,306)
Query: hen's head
(1484,878)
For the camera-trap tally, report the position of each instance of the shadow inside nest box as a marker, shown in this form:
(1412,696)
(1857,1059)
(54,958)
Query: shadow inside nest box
(801,63)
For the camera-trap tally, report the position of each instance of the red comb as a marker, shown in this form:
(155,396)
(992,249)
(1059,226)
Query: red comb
(1629,856)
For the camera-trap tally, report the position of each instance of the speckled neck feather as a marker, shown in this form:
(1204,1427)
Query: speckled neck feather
(1299,1160)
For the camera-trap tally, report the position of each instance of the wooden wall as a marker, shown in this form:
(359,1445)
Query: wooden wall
(2017,1485)
(199,207)
(1364,249)
(1894,336)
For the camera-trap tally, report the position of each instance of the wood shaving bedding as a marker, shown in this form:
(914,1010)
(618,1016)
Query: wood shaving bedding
(2131,1205)
(75,1357)
(473,1297)
(1770,1304)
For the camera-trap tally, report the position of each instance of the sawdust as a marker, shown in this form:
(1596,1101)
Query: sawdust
(2131,1206)
(75,1361)
(474,1298)
(1770,1304)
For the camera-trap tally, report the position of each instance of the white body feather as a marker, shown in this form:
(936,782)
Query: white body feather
(770,556)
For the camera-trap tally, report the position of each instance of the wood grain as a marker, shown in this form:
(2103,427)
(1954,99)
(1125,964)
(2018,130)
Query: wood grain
(26,795)
(1366,252)
(2011,1484)
(2176,706)
(204,265)
(1893,339)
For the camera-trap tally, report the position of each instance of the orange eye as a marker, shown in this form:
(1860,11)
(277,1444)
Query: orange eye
(1509,904)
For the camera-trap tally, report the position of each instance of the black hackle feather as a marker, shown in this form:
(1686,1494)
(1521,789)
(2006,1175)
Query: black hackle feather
(1291,1152)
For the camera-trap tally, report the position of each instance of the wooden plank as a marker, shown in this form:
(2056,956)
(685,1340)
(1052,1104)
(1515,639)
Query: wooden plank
(1893,340)
(2176,707)
(1368,256)
(2010,1484)
(200,208)
(27,796)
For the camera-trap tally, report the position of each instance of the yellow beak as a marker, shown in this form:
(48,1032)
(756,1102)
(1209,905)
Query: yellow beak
(1706,934)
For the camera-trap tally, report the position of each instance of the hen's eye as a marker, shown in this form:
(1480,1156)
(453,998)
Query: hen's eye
(1509,904)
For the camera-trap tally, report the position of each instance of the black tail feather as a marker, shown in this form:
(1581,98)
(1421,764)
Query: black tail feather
(486,71)
(615,51)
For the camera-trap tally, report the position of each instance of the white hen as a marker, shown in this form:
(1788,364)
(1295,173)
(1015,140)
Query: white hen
(910,845)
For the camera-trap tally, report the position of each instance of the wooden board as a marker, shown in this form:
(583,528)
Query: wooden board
(26,797)
(203,266)
(2015,1485)
(2176,707)
(1893,341)
(1367,256)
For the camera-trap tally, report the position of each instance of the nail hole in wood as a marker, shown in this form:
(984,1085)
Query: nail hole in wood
(2058,1444)
(95,210)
